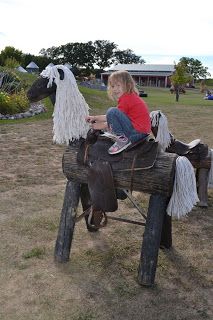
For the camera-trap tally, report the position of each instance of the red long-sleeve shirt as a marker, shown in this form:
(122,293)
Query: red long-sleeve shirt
(137,111)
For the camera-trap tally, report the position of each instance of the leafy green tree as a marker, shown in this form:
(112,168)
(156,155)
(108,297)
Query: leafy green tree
(101,53)
(202,86)
(127,56)
(27,58)
(42,61)
(104,53)
(53,54)
(12,53)
(195,68)
(180,78)
(78,54)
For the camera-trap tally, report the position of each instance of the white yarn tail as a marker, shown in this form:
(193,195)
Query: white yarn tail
(210,182)
(184,195)
(158,119)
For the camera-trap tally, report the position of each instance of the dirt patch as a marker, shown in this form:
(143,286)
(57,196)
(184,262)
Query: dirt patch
(99,282)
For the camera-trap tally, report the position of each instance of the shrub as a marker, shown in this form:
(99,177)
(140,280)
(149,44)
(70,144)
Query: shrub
(14,103)
(13,85)
(35,253)
(9,81)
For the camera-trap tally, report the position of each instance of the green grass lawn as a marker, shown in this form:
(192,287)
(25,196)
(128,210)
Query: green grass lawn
(190,105)
(163,97)
(158,99)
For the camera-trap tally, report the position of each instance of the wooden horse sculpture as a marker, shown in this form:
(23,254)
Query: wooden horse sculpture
(198,154)
(145,168)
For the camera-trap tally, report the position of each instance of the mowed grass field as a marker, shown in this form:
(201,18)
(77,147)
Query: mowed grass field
(187,118)
(100,280)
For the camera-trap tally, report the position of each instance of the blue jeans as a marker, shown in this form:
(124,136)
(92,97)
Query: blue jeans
(121,125)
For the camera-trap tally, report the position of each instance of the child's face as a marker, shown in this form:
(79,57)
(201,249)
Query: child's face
(117,89)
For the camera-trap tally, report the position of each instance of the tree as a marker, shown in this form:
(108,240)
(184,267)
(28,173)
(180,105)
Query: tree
(127,56)
(78,54)
(42,61)
(12,53)
(27,58)
(180,78)
(202,86)
(52,53)
(195,68)
(104,53)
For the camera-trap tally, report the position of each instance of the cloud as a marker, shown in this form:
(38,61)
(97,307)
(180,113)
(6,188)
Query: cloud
(151,28)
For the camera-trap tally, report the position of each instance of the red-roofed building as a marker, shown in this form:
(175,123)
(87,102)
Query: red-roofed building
(153,75)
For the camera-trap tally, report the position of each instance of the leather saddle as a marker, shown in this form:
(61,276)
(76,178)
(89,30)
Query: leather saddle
(195,150)
(143,154)
(101,186)
(93,153)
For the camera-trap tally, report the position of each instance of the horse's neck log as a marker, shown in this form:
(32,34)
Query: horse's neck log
(159,179)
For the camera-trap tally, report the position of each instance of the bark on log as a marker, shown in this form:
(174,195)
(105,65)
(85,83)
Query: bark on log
(157,180)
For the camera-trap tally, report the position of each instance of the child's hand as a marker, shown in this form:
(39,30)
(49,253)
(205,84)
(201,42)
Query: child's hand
(90,119)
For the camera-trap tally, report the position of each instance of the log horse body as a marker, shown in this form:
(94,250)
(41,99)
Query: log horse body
(160,177)
(199,154)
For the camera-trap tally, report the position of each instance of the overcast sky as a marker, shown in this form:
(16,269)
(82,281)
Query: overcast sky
(159,31)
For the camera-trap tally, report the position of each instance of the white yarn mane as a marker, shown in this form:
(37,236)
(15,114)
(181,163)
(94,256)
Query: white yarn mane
(158,119)
(71,109)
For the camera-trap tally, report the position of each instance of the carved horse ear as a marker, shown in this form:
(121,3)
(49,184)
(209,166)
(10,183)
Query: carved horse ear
(61,72)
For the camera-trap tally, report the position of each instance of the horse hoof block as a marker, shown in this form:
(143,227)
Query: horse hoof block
(202,204)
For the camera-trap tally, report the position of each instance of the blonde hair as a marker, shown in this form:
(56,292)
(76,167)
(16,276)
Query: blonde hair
(126,81)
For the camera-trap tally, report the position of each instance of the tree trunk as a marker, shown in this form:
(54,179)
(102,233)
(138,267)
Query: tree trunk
(177,94)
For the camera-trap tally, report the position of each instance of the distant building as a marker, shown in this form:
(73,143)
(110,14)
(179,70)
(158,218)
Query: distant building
(153,75)
(68,65)
(50,64)
(32,68)
(21,69)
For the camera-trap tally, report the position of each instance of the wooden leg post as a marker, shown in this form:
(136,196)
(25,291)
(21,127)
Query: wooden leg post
(67,221)
(202,180)
(151,239)
(166,234)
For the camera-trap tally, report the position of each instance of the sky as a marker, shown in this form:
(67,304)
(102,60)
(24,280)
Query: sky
(161,32)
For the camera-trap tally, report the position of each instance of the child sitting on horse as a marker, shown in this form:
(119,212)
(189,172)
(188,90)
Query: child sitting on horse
(130,120)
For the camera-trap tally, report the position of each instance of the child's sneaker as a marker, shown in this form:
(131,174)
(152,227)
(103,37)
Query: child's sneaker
(121,144)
